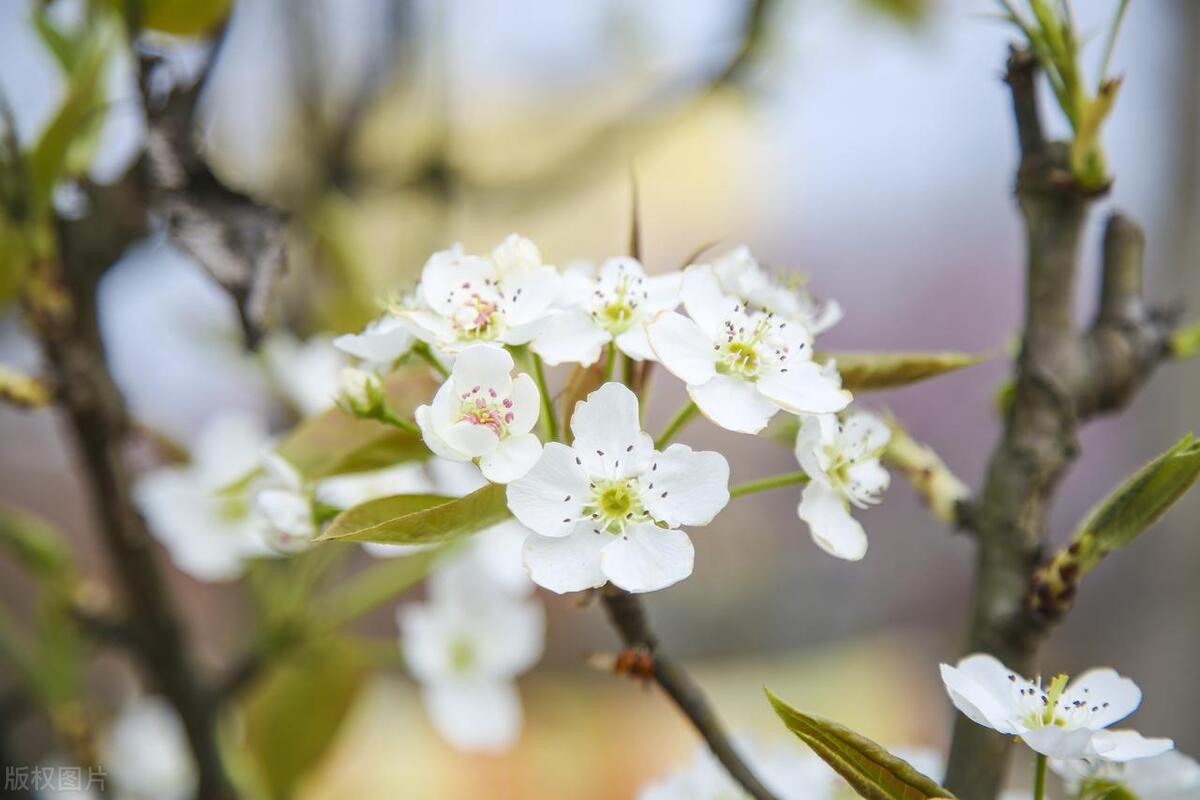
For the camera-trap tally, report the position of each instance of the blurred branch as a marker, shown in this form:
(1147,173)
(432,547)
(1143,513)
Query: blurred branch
(1062,377)
(237,239)
(627,615)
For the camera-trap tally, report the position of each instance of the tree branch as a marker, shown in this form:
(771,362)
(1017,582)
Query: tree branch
(1063,376)
(627,615)
(99,424)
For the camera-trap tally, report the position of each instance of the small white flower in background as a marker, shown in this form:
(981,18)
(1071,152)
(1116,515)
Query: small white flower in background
(1169,776)
(198,511)
(145,753)
(482,412)
(789,772)
(741,366)
(360,392)
(380,344)
(285,500)
(1060,720)
(742,276)
(609,507)
(610,307)
(465,299)
(466,646)
(841,459)
(306,373)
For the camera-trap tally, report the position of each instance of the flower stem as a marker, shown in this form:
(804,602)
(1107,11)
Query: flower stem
(1039,778)
(386,415)
(610,366)
(773,482)
(549,422)
(425,354)
(681,418)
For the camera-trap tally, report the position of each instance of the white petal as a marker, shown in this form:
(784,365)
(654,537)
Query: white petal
(868,476)
(732,403)
(343,491)
(531,296)
(804,389)
(512,458)
(455,478)
(479,717)
(471,439)
(690,487)
(829,520)
(568,563)
(289,512)
(549,498)
(863,433)
(445,272)
(705,301)
(425,640)
(228,448)
(485,366)
(1056,742)
(1126,745)
(664,292)
(685,350)
(381,342)
(635,344)
(498,550)
(1114,696)
(647,558)
(515,255)
(427,326)
(607,422)
(980,687)
(816,432)
(570,337)
(526,404)
(431,438)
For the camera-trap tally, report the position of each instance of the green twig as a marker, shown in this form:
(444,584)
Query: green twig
(681,418)
(1111,43)
(773,482)
(1039,778)
(386,415)
(425,354)
(549,421)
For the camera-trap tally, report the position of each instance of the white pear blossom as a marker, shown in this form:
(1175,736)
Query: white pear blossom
(609,508)
(380,344)
(741,366)
(285,499)
(1060,720)
(787,771)
(609,307)
(482,412)
(841,459)
(145,753)
(466,645)
(742,276)
(202,512)
(307,373)
(1169,776)
(464,300)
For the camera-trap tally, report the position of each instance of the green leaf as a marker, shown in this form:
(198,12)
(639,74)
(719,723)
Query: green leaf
(70,136)
(419,518)
(335,443)
(1115,523)
(1100,789)
(1185,342)
(871,771)
(178,17)
(377,584)
(1142,499)
(294,715)
(862,372)
(33,543)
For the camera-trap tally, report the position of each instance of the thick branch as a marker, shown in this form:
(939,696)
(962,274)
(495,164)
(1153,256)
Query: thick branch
(99,423)
(1062,377)
(629,618)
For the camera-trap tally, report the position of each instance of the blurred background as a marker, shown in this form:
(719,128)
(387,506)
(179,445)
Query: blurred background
(867,144)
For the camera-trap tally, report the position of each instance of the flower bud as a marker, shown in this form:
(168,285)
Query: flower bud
(360,392)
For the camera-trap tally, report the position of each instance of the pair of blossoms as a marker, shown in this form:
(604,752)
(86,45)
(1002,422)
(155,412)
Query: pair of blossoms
(610,507)
(1068,722)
